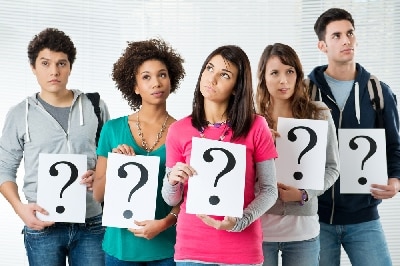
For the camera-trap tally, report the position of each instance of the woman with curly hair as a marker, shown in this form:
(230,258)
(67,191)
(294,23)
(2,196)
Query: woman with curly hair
(291,225)
(146,73)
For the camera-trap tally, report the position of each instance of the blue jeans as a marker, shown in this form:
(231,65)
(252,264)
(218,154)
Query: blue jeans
(299,253)
(364,243)
(81,243)
(188,263)
(113,261)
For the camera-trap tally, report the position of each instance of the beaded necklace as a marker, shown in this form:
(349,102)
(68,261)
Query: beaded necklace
(217,125)
(159,134)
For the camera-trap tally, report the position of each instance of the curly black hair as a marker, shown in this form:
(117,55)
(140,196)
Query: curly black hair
(125,69)
(54,40)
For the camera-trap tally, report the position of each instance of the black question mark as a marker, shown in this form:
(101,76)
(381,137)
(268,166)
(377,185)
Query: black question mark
(372,149)
(214,200)
(74,175)
(144,176)
(313,141)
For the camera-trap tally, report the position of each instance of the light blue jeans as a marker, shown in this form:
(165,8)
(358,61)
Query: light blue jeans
(81,243)
(113,261)
(364,243)
(294,253)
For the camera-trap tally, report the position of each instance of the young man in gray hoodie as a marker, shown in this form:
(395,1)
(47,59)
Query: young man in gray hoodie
(55,120)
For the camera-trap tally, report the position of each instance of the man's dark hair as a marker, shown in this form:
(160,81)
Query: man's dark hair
(54,40)
(330,15)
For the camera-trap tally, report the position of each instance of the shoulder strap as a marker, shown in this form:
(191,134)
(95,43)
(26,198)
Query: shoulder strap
(312,89)
(376,96)
(94,97)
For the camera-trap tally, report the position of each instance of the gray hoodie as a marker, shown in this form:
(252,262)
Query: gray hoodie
(29,130)
(331,175)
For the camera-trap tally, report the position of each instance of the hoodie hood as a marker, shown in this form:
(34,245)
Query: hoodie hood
(34,101)
(358,92)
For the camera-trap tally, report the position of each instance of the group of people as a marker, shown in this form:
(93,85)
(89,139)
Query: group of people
(308,227)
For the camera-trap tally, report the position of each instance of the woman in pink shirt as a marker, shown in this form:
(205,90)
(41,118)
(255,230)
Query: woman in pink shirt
(223,109)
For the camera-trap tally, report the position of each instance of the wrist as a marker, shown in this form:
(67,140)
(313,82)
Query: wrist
(175,217)
(171,182)
(304,197)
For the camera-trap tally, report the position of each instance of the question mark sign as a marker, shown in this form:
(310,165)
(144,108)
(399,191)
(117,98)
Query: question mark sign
(372,149)
(74,175)
(144,176)
(214,200)
(313,141)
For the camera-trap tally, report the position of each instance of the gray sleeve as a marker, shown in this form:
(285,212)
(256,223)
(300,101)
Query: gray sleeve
(265,198)
(332,163)
(172,194)
(105,114)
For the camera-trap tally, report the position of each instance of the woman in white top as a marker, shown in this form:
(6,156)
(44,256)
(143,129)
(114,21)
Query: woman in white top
(291,225)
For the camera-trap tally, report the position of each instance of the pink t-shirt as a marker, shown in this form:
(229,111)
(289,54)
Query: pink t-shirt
(197,241)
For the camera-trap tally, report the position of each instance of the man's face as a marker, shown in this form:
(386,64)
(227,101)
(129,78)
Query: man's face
(52,70)
(340,42)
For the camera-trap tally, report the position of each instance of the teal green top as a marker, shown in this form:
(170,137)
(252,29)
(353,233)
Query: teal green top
(121,243)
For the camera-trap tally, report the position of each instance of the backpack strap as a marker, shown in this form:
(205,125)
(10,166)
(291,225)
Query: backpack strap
(376,96)
(312,89)
(94,97)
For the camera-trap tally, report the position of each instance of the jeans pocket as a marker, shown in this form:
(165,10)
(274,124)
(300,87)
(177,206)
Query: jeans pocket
(32,233)
(94,224)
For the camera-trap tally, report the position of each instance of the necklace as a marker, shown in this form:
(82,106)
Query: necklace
(216,124)
(224,132)
(159,134)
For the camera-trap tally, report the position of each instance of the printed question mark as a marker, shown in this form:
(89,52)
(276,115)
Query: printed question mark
(214,200)
(313,141)
(144,176)
(74,175)
(372,149)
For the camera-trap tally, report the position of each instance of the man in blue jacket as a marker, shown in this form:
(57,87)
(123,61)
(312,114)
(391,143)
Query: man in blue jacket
(352,220)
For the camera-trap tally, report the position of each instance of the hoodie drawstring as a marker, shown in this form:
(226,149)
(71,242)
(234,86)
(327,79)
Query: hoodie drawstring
(80,111)
(357,101)
(28,139)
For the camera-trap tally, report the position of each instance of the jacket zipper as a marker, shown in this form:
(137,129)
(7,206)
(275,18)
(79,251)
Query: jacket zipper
(333,186)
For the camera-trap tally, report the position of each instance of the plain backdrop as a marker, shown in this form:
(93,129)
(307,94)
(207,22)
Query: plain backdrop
(100,30)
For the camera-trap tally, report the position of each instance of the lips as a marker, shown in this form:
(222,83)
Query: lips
(348,50)
(157,93)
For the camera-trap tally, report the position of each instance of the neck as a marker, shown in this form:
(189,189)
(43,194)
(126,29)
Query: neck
(60,99)
(342,71)
(280,108)
(152,114)
(215,113)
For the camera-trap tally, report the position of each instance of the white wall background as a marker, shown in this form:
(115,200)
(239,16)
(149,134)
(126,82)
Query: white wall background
(100,30)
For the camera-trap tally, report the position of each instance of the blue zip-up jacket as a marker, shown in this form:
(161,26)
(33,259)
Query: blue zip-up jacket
(336,208)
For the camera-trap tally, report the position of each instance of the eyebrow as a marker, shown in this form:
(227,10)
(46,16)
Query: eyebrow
(161,70)
(338,32)
(223,69)
(61,60)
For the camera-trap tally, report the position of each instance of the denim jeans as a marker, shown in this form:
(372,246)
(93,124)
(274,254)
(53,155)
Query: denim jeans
(112,261)
(81,243)
(188,263)
(364,243)
(299,253)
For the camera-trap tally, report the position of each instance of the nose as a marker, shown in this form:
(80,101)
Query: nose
(157,83)
(54,70)
(283,79)
(346,40)
(212,78)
